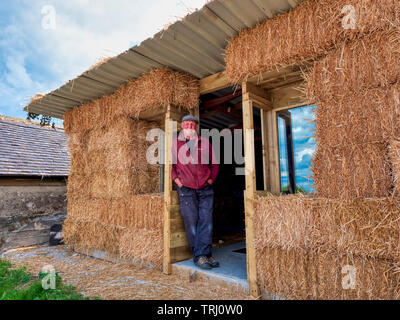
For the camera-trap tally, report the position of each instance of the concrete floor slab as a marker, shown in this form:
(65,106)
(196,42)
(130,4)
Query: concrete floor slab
(233,266)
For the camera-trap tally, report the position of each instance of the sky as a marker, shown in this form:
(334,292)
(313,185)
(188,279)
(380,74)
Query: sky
(304,147)
(43,44)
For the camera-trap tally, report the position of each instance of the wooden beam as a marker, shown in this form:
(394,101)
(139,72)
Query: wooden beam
(221,100)
(287,117)
(289,97)
(248,126)
(167,191)
(248,87)
(265,151)
(258,95)
(214,83)
(273,152)
(258,101)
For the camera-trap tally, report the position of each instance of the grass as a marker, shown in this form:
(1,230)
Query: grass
(285,189)
(18,284)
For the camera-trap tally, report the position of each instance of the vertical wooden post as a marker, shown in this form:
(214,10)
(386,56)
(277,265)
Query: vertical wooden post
(250,167)
(265,151)
(196,112)
(287,117)
(167,190)
(273,151)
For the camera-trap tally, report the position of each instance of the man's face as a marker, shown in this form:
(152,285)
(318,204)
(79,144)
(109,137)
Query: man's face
(189,128)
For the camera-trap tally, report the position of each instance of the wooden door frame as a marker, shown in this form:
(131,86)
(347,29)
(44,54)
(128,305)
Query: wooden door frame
(171,202)
(254,96)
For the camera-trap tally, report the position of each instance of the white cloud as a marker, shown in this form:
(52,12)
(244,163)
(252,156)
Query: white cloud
(304,152)
(36,60)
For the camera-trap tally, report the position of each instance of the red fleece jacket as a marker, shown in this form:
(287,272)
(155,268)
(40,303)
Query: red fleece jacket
(194,162)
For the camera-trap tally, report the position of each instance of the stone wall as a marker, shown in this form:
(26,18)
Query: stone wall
(28,212)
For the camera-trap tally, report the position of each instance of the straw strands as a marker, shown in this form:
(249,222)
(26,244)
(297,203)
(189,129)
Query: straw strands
(309,31)
(134,212)
(357,94)
(142,246)
(111,202)
(159,87)
(365,227)
(394,155)
(303,243)
(367,63)
(131,227)
(352,170)
(302,274)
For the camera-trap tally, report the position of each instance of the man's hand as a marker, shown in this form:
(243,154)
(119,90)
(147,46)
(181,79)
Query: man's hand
(210,181)
(178,183)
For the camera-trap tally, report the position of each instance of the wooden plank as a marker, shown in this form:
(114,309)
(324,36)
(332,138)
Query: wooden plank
(175,212)
(32,182)
(248,87)
(273,152)
(174,198)
(289,97)
(167,191)
(262,193)
(152,113)
(265,155)
(248,133)
(214,82)
(179,239)
(177,225)
(259,102)
(248,126)
(260,97)
(286,115)
(180,254)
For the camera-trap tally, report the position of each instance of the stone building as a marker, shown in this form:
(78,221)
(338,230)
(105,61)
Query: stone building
(34,167)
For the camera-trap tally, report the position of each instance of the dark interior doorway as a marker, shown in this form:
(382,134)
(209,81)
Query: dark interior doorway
(222,110)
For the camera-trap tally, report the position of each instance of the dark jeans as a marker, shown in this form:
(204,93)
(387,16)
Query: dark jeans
(197,209)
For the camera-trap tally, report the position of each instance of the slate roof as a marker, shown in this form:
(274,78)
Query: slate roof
(26,149)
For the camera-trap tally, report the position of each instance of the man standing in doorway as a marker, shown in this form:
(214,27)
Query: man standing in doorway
(194,171)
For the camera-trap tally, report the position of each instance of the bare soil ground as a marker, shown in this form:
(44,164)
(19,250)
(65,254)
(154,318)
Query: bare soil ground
(97,278)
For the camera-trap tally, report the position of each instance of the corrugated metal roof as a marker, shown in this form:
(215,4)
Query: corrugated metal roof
(31,150)
(194,45)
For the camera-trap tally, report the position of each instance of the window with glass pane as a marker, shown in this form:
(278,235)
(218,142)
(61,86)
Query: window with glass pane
(296,149)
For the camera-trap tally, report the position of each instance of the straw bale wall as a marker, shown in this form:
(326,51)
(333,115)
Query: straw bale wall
(159,87)
(312,29)
(303,242)
(114,204)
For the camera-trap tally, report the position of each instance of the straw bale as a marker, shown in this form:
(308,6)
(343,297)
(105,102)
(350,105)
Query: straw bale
(122,183)
(365,227)
(354,170)
(394,155)
(37,97)
(157,88)
(365,117)
(142,246)
(77,185)
(357,92)
(133,212)
(77,142)
(302,274)
(131,227)
(90,209)
(123,157)
(143,212)
(124,130)
(86,234)
(311,30)
(366,63)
